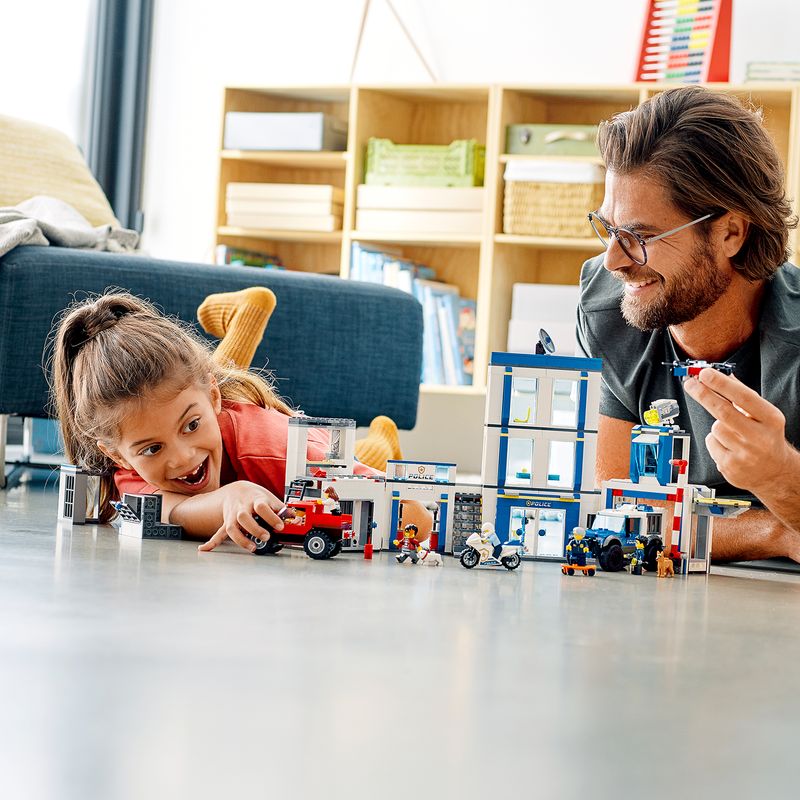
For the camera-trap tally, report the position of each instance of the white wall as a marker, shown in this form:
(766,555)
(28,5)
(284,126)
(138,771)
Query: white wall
(44,61)
(200,46)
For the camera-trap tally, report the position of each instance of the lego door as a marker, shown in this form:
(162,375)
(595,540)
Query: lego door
(541,531)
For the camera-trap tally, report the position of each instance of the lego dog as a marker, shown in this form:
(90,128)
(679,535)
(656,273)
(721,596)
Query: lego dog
(666,569)
(430,558)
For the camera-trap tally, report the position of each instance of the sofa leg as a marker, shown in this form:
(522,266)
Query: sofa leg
(3,435)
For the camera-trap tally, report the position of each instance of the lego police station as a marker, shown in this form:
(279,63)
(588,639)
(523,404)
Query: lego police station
(537,473)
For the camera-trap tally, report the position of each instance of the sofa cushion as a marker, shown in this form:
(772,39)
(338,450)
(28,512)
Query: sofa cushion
(37,160)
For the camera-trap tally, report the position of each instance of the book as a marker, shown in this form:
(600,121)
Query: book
(295,207)
(285,191)
(397,221)
(247,258)
(299,130)
(447,301)
(432,363)
(289,222)
(420,198)
(467,309)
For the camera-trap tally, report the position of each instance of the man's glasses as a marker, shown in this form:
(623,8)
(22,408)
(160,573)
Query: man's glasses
(632,244)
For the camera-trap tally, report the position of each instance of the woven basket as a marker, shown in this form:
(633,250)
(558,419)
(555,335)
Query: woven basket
(535,208)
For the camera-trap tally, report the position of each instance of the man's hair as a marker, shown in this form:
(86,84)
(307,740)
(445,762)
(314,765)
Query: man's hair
(711,154)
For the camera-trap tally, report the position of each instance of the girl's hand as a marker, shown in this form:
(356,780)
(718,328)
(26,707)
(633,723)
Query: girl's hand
(242,500)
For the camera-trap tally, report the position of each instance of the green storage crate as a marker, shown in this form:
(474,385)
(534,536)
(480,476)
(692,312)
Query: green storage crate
(460,163)
(552,140)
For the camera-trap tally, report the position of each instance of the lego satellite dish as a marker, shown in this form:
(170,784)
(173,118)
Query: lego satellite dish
(545,344)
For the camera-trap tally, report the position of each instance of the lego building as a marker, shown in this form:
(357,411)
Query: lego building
(539,448)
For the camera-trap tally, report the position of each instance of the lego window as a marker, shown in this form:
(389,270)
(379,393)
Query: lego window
(520,461)
(523,401)
(335,451)
(442,473)
(565,403)
(561,465)
(646,458)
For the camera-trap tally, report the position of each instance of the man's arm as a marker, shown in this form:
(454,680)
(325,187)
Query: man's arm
(755,534)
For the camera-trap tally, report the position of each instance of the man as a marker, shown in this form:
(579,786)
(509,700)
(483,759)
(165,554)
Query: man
(696,224)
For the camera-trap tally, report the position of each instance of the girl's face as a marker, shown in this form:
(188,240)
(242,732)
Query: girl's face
(173,440)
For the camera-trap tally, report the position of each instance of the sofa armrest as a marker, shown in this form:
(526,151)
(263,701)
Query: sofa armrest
(337,348)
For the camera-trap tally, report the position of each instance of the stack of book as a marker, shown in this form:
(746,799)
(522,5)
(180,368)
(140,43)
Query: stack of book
(419,209)
(773,71)
(448,318)
(284,206)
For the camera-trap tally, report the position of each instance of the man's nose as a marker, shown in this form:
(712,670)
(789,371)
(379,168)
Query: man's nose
(615,257)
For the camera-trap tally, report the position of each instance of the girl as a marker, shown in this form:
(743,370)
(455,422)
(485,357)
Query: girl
(142,399)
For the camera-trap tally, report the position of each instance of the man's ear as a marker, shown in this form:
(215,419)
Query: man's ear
(733,233)
(215,394)
(113,455)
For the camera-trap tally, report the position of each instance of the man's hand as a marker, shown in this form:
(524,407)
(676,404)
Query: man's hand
(748,440)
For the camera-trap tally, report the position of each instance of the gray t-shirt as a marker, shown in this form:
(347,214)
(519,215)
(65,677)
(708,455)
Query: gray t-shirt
(633,375)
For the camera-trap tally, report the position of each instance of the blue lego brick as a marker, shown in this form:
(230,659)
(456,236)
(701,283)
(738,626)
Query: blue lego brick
(545,362)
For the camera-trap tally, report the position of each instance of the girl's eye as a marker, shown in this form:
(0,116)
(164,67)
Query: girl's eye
(151,450)
(192,426)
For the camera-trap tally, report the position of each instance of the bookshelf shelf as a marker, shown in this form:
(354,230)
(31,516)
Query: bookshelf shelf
(486,263)
(551,242)
(291,160)
(427,239)
(280,236)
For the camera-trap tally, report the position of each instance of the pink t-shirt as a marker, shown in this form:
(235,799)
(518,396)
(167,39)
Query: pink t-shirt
(253,449)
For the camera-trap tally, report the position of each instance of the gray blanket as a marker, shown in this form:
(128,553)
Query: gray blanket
(48,221)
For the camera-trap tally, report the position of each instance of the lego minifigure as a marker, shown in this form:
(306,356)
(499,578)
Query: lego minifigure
(409,545)
(637,557)
(576,551)
(330,503)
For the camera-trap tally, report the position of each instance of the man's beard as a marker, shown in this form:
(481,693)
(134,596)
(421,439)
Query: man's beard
(690,291)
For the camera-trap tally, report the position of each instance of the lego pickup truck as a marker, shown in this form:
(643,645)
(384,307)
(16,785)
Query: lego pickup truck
(321,534)
(612,534)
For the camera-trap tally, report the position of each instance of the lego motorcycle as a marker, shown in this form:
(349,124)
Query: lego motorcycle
(479,552)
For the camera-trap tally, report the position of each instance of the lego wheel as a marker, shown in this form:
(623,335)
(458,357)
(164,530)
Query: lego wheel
(612,559)
(590,572)
(470,558)
(569,570)
(511,562)
(336,548)
(317,545)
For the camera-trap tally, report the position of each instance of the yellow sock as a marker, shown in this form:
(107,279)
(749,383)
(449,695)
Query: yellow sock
(239,319)
(381,443)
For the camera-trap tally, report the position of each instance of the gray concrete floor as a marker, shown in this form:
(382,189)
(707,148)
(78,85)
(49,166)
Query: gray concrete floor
(149,670)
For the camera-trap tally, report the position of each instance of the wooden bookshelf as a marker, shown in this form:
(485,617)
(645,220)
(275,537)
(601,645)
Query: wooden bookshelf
(487,263)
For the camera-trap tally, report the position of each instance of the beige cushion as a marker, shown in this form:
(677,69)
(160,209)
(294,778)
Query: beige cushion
(35,159)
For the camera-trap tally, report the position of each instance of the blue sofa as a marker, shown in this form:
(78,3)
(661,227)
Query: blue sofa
(337,348)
